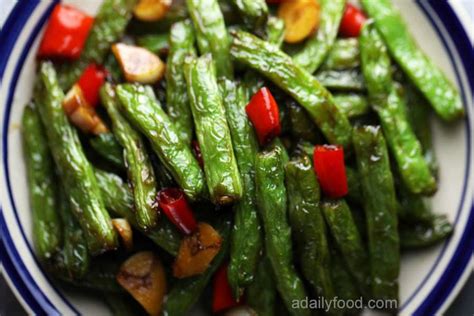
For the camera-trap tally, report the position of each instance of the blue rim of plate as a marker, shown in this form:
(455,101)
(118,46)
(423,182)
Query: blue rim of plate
(37,300)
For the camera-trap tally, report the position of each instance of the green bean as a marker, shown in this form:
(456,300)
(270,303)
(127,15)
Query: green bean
(308,225)
(177,100)
(419,115)
(211,34)
(391,111)
(139,169)
(272,204)
(156,43)
(74,169)
(304,148)
(412,208)
(352,104)
(119,201)
(74,256)
(380,210)
(348,240)
(344,54)
(317,47)
(428,78)
(278,143)
(424,235)
(186,292)
(246,239)
(341,80)
(275,31)
(212,131)
(261,294)
(355,191)
(279,68)
(343,281)
(41,183)
(109,26)
(116,194)
(302,127)
(254,12)
(146,114)
(107,147)
(275,35)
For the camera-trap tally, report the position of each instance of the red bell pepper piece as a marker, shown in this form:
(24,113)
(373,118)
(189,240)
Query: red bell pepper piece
(66,33)
(222,293)
(330,169)
(90,82)
(352,21)
(197,152)
(173,203)
(264,115)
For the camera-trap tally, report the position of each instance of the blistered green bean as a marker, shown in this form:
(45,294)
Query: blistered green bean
(308,226)
(344,80)
(279,68)
(317,47)
(119,201)
(344,54)
(177,101)
(146,114)
(211,34)
(140,172)
(212,131)
(47,228)
(386,101)
(246,239)
(380,210)
(75,171)
(428,78)
(272,204)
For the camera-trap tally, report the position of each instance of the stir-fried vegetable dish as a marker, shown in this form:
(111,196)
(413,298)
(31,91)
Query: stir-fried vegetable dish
(234,155)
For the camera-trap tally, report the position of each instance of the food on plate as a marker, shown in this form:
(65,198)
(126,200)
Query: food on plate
(174,146)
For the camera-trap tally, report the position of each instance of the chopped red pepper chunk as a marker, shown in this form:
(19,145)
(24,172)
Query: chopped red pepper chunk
(330,169)
(262,111)
(222,296)
(65,33)
(173,203)
(90,82)
(352,21)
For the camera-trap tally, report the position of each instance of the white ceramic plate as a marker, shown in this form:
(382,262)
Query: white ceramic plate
(429,279)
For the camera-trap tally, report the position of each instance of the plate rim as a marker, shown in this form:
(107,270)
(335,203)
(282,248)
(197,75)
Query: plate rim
(446,12)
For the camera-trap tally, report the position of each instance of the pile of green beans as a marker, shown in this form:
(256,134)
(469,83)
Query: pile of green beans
(284,239)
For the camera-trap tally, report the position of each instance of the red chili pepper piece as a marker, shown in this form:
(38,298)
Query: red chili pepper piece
(197,152)
(90,82)
(330,169)
(222,296)
(352,21)
(65,33)
(264,115)
(176,208)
